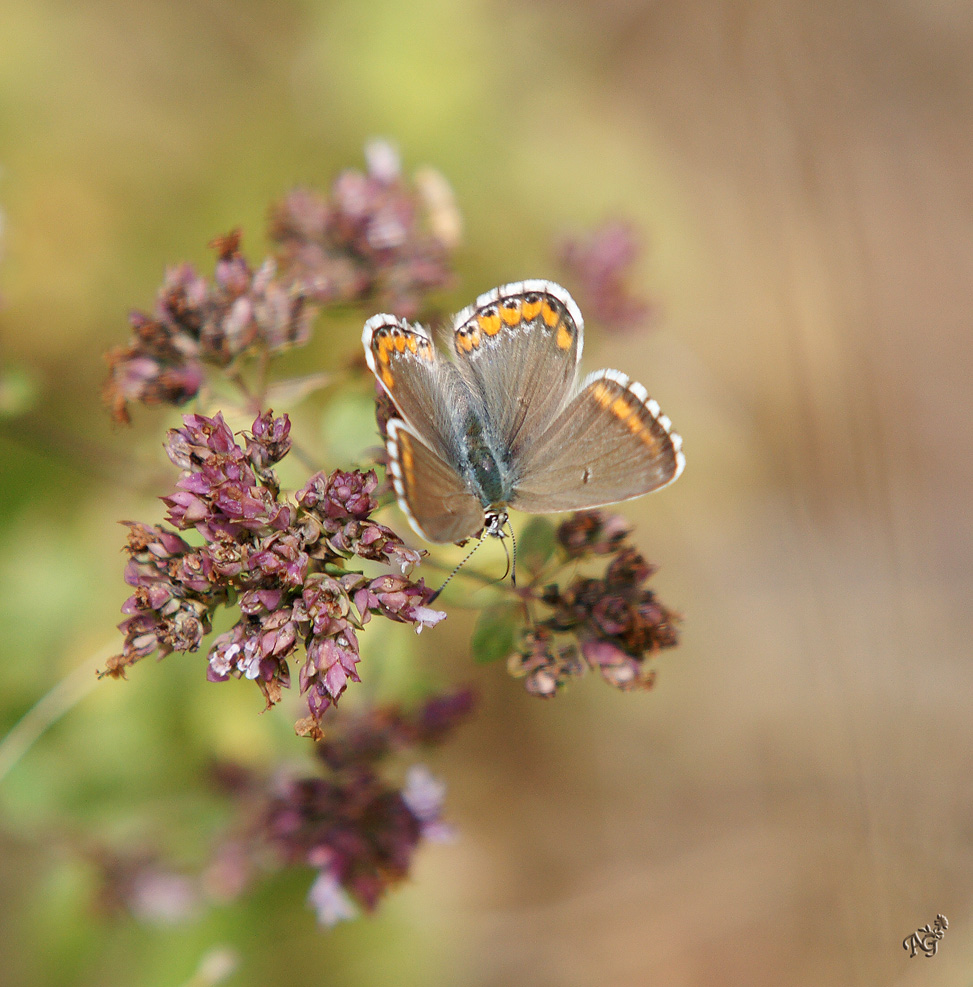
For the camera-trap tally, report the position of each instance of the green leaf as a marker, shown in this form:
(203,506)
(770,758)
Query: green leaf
(536,545)
(497,633)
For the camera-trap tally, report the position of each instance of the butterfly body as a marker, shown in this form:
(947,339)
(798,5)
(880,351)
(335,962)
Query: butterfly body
(504,424)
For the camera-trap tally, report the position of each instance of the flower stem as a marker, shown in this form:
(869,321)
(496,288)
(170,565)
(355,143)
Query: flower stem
(49,709)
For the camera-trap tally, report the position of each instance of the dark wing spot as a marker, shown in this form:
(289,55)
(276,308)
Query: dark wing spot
(586,476)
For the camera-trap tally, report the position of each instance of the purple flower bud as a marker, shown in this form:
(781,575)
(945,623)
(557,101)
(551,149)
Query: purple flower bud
(616,666)
(628,569)
(592,532)
(149,540)
(199,440)
(331,661)
(152,597)
(269,440)
(612,615)
(398,598)
(186,510)
(349,495)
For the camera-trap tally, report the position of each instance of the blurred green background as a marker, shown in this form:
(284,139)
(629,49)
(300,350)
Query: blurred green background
(794,798)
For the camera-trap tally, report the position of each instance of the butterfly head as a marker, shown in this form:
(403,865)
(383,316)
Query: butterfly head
(494,521)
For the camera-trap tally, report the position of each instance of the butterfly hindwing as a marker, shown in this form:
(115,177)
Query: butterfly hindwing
(430,492)
(610,443)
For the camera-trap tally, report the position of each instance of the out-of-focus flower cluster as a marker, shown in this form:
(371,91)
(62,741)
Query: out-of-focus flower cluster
(352,825)
(599,265)
(198,322)
(283,562)
(356,827)
(377,240)
(614,624)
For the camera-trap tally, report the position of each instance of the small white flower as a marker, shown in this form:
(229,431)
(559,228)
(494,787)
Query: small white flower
(221,661)
(330,901)
(426,617)
(250,663)
(423,793)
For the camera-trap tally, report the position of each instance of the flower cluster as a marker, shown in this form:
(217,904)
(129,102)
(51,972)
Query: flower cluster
(599,264)
(615,622)
(356,827)
(352,825)
(377,238)
(282,562)
(197,322)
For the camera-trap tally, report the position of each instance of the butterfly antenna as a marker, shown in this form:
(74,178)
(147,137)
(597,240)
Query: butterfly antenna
(458,567)
(513,564)
(506,552)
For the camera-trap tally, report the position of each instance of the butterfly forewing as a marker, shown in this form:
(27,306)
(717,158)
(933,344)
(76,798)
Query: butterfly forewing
(610,443)
(424,389)
(518,348)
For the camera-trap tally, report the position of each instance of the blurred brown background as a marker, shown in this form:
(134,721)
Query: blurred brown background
(793,799)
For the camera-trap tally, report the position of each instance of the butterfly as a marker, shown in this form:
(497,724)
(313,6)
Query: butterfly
(505,424)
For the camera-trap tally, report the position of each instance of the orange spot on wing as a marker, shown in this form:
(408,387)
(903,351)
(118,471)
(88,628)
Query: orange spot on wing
(650,440)
(530,309)
(550,314)
(387,379)
(564,336)
(602,395)
(489,321)
(637,427)
(510,311)
(622,408)
(399,342)
(464,341)
(407,458)
(412,343)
